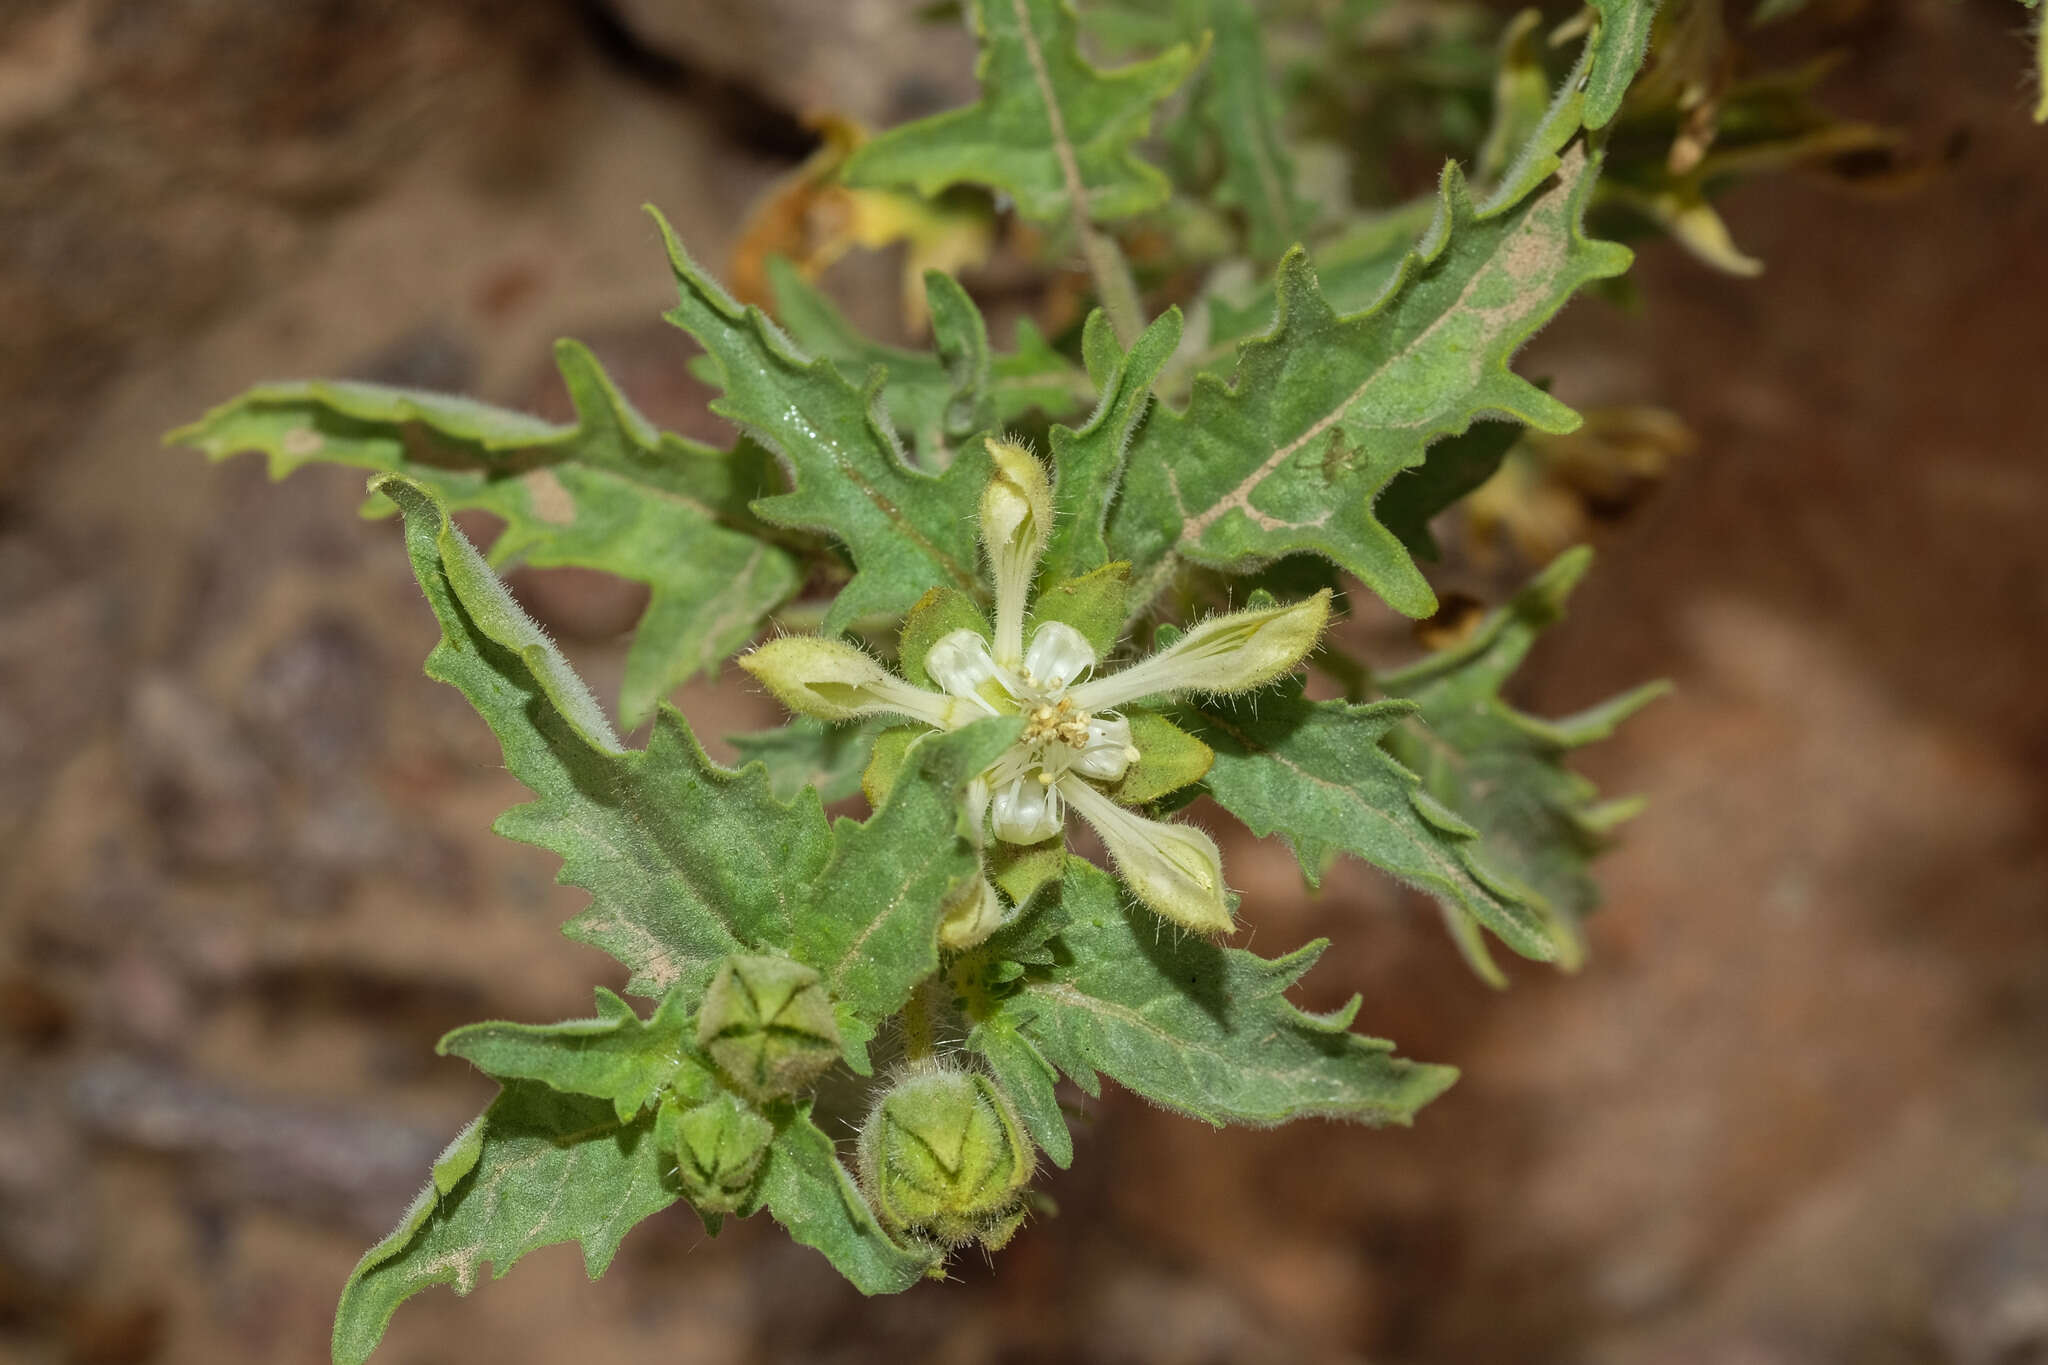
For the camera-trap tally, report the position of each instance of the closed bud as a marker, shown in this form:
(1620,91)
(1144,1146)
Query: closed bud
(718,1147)
(767,1023)
(970,920)
(833,681)
(944,1156)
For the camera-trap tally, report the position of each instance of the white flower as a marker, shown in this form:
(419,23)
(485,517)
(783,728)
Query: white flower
(1075,736)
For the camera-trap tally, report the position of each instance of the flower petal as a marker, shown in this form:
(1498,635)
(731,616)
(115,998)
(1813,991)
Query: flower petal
(1026,811)
(1233,653)
(832,680)
(1059,655)
(1016,521)
(1174,869)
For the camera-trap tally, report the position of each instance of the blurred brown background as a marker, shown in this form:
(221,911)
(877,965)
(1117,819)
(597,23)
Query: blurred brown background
(1796,1108)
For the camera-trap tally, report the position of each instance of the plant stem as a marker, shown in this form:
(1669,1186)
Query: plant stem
(1115,288)
(917,1024)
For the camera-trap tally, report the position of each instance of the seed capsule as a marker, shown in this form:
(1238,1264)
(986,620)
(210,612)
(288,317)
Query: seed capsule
(768,1024)
(718,1146)
(943,1155)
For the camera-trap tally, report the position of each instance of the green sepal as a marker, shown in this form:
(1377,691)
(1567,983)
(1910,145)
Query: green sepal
(944,1155)
(1315,773)
(885,765)
(1169,758)
(1049,129)
(719,1146)
(616,1056)
(1325,410)
(1020,870)
(1198,1028)
(1501,772)
(936,615)
(904,528)
(809,1192)
(769,1025)
(608,492)
(685,861)
(1095,604)
(539,1167)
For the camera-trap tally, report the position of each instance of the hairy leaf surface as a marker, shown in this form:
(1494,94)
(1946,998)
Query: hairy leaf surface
(809,1193)
(539,1167)
(685,861)
(1051,131)
(1200,1028)
(1503,770)
(1325,410)
(617,1056)
(907,530)
(607,492)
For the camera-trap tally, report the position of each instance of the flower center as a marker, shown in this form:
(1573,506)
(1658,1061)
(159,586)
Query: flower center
(1060,721)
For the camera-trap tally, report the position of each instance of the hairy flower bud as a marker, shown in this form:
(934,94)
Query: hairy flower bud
(718,1146)
(768,1024)
(943,1155)
(834,681)
(1016,522)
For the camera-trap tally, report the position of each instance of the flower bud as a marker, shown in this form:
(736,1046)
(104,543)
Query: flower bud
(1223,654)
(834,681)
(970,920)
(943,1155)
(767,1023)
(1016,522)
(718,1146)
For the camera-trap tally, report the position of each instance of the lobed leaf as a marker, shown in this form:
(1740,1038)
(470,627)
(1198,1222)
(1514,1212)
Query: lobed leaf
(1051,131)
(1618,47)
(809,1192)
(1325,410)
(608,492)
(906,529)
(616,1056)
(941,397)
(1199,1028)
(807,752)
(539,1167)
(685,861)
(1503,771)
(1314,772)
(1236,102)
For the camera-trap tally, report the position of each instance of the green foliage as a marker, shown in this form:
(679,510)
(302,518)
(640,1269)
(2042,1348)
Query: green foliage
(990,575)
(609,492)
(1051,130)
(1201,1029)
(1502,770)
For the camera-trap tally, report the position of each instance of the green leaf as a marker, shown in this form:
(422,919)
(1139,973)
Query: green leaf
(1314,772)
(1028,1078)
(1089,463)
(1325,410)
(807,752)
(1521,94)
(1454,467)
(608,492)
(1201,1029)
(1236,102)
(1618,48)
(1503,771)
(936,398)
(685,861)
(617,1056)
(539,1167)
(907,530)
(871,924)
(810,1194)
(1051,131)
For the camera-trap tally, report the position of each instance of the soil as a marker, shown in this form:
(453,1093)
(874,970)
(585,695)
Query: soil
(1794,1109)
